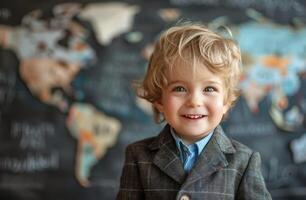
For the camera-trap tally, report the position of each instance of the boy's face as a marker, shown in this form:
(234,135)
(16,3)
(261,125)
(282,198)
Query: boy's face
(193,103)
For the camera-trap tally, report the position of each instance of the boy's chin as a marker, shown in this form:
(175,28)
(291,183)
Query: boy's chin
(193,134)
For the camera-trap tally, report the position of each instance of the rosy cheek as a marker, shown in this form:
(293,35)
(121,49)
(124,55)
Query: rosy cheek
(171,103)
(216,105)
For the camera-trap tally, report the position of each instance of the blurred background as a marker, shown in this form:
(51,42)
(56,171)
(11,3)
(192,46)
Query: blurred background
(68,108)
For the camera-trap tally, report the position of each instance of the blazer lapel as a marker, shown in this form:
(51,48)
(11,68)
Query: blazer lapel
(213,156)
(167,158)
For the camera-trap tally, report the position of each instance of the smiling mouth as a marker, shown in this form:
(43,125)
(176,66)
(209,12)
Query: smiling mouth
(194,116)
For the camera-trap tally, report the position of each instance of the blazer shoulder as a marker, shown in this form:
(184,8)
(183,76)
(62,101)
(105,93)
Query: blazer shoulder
(242,148)
(243,152)
(144,143)
(229,145)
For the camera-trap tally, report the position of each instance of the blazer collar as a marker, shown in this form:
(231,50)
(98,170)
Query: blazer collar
(167,156)
(210,160)
(212,157)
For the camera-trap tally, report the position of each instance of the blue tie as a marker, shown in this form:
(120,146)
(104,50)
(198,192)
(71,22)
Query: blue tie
(189,156)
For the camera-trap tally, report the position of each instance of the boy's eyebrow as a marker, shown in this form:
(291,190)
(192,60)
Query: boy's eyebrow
(174,82)
(205,81)
(213,82)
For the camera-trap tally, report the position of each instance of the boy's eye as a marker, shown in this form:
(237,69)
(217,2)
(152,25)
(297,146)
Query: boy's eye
(209,89)
(179,89)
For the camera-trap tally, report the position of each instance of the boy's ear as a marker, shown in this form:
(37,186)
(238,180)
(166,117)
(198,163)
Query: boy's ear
(226,108)
(158,105)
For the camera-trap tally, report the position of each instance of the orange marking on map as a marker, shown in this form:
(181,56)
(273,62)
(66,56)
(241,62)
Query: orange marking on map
(276,62)
(86,136)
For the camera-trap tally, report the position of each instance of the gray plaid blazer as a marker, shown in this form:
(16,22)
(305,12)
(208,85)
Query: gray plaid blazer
(226,169)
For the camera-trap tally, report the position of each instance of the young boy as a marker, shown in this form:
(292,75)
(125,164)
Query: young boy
(192,83)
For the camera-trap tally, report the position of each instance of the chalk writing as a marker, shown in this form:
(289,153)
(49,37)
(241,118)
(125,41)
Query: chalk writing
(252,129)
(7,83)
(32,135)
(31,163)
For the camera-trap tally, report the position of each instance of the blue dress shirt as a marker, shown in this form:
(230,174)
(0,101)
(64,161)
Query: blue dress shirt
(190,153)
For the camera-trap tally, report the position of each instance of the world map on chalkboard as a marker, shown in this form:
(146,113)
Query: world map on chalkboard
(274,71)
(59,61)
(51,53)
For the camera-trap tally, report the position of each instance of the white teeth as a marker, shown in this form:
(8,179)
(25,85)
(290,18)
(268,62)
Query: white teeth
(194,116)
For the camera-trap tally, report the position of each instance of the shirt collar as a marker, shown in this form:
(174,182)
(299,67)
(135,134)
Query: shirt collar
(199,145)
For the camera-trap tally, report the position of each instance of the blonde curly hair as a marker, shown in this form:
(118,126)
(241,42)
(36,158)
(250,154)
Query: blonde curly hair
(194,44)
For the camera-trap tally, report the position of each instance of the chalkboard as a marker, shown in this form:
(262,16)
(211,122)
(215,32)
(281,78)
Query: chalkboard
(45,155)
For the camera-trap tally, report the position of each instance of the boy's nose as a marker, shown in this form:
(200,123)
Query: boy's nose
(195,100)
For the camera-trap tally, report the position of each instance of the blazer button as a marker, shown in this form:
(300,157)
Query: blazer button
(184,197)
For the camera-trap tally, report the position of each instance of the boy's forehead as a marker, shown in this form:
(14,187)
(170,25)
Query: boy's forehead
(194,72)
